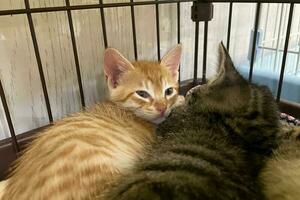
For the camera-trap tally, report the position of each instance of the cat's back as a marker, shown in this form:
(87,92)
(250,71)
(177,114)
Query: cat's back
(281,175)
(81,151)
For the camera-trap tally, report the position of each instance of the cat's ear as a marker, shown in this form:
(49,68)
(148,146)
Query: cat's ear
(114,65)
(172,60)
(227,69)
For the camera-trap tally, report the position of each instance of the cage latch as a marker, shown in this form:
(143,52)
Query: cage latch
(202,11)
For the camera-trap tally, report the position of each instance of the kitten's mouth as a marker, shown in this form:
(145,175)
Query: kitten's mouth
(159,119)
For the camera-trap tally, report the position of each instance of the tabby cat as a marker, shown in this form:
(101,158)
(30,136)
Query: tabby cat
(78,156)
(281,175)
(211,148)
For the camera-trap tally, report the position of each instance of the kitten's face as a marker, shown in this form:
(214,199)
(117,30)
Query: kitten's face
(149,89)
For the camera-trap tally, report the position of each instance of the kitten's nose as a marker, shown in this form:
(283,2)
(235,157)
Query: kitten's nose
(162,109)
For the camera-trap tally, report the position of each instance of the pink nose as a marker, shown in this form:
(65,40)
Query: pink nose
(161,109)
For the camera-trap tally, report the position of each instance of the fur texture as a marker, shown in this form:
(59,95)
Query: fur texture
(2,188)
(281,176)
(149,89)
(79,156)
(211,148)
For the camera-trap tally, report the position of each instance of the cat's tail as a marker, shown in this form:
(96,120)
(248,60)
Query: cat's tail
(2,188)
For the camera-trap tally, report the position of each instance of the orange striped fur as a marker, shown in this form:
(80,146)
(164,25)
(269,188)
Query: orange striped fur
(72,158)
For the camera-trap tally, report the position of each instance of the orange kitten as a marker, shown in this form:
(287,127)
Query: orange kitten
(149,89)
(73,157)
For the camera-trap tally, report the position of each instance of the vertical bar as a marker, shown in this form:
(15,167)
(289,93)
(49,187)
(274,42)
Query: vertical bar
(229,26)
(103,25)
(257,14)
(178,34)
(204,52)
(196,53)
(286,45)
(75,54)
(157,29)
(278,41)
(9,121)
(133,30)
(39,62)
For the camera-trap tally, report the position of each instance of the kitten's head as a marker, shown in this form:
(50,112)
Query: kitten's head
(230,94)
(245,111)
(147,88)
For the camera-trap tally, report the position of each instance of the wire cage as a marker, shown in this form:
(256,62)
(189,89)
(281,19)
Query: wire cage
(202,12)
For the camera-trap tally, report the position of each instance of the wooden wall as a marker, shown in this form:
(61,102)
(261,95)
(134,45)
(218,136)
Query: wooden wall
(18,65)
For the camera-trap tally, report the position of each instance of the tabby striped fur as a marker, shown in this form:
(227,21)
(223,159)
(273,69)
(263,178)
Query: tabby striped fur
(211,148)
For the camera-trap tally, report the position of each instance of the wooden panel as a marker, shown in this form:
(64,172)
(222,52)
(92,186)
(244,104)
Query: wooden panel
(217,32)
(187,32)
(168,27)
(19,74)
(146,32)
(11,4)
(18,68)
(57,56)
(4,131)
(90,47)
(46,3)
(242,22)
(119,29)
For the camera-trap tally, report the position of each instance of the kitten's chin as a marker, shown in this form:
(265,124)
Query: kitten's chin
(158,120)
(153,119)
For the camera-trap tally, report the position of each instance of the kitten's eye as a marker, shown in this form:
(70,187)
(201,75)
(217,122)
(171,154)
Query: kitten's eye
(169,91)
(143,93)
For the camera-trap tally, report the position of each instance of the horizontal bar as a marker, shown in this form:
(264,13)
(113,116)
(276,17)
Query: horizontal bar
(109,5)
(87,6)
(274,49)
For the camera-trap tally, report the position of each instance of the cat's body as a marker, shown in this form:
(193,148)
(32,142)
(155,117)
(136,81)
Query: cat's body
(281,175)
(80,155)
(2,188)
(211,148)
(80,152)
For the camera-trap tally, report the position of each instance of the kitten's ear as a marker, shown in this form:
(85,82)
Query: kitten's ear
(114,65)
(172,60)
(226,67)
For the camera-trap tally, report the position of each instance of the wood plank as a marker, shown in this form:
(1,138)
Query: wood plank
(19,75)
(53,36)
(90,46)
